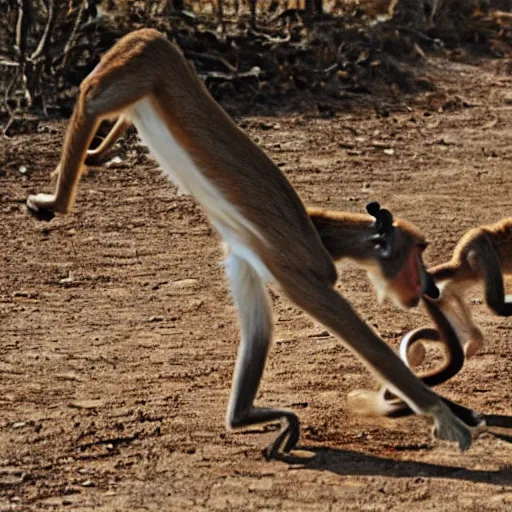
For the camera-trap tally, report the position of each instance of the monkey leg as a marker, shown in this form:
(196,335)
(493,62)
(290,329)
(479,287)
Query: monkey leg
(319,299)
(96,156)
(251,300)
(106,92)
(386,403)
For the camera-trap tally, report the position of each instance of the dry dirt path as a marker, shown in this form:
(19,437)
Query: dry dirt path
(118,334)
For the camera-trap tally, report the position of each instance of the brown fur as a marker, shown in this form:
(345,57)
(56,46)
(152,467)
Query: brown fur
(144,65)
(459,268)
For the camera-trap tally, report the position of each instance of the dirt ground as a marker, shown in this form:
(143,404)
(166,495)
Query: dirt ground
(119,336)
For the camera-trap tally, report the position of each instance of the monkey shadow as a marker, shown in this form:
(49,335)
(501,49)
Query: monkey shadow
(351,463)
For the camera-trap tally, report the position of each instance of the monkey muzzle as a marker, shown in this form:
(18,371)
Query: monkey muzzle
(430,288)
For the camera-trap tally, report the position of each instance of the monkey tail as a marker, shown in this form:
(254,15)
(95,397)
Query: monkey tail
(444,333)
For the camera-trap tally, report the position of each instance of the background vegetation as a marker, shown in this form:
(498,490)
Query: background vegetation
(251,54)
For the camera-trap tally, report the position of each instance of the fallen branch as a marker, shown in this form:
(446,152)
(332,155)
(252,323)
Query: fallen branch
(255,72)
(211,58)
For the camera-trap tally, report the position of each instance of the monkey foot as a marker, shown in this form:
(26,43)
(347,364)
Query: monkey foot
(40,213)
(286,440)
(473,346)
(371,403)
(450,428)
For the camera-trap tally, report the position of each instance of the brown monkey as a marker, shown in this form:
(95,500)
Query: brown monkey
(482,257)
(394,267)
(268,234)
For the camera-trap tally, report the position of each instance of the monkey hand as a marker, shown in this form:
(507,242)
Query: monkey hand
(41,206)
(450,428)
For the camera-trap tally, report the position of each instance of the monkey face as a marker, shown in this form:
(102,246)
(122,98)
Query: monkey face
(406,287)
(403,277)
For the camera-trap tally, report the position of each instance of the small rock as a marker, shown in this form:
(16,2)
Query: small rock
(87,404)
(263,125)
(53,501)
(23,294)
(114,161)
(19,424)
(184,283)
(68,376)
(156,319)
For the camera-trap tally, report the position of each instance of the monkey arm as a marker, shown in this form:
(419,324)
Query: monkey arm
(385,403)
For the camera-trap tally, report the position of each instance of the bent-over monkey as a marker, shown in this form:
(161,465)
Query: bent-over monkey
(268,235)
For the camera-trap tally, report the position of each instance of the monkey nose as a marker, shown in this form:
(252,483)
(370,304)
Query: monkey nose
(429,286)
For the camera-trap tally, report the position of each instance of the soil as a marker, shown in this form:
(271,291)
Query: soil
(119,335)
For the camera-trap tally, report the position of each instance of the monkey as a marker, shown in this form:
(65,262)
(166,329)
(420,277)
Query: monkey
(481,257)
(268,236)
(390,250)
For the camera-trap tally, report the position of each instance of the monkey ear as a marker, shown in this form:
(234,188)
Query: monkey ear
(385,237)
(429,286)
(373,208)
